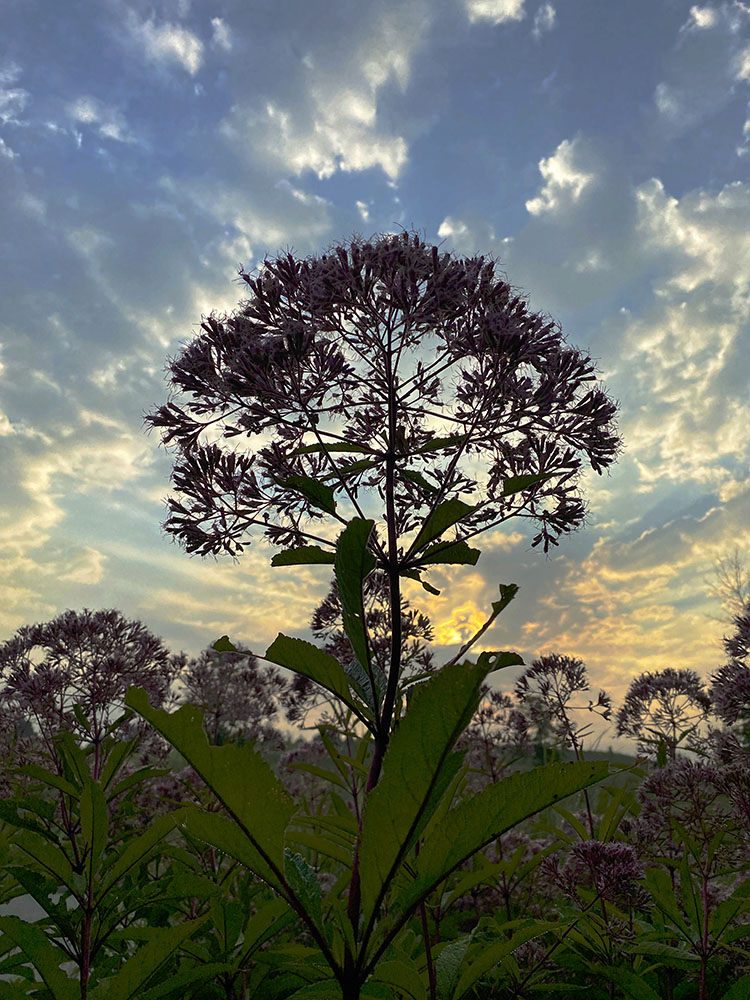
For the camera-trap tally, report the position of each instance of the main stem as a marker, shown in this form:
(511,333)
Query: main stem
(382,737)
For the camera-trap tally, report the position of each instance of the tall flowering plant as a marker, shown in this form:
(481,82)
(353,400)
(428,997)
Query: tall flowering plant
(334,375)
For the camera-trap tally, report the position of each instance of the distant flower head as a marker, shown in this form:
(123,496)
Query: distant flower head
(546,687)
(738,645)
(663,704)
(611,869)
(88,657)
(304,372)
(730,691)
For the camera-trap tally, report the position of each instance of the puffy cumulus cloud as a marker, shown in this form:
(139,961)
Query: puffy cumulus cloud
(495,11)
(167,44)
(329,118)
(453,228)
(544,20)
(109,123)
(688,349)
(565,178)
(88,568)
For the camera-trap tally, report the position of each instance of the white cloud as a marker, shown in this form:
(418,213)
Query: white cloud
(565,179)
(496,11)
(702,17)
(6,151)
(168,43)
(743,67)
(363,210)
(88,568)
(452,227)
(12,99)
(110,123)
(221,37)
(544,20)
(332,123)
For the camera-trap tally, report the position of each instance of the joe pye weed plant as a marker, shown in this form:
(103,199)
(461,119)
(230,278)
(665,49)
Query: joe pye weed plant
(333,371)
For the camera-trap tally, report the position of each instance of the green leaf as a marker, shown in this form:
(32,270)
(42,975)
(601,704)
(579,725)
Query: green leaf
(317,493)
(346,470)
(507,592)
(517,483)
(50,778)
(118,754)
(455,552)
(404,976)
(186,977)
(448,966)
(240,778)
(360,680)
(493,954)
(270,918)
(136,851)
(326,847)
(419,749)
(305,555)
(632,985)
(659,885)
(739,990)
(94,819)
(49,857)
(419,479)
(133,975)
(354,562)
(321,449)
(440,442)
(224,645)
(443,516)
(304,658)
(45,956)
(476,822)
(412,574)
(304,882)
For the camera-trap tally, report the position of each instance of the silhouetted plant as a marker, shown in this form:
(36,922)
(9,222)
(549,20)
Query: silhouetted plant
(670,705)
(86,657)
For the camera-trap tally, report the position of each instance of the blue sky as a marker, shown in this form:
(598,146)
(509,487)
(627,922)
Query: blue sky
(599,150)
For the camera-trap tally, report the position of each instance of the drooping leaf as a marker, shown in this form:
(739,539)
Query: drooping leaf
(633,986)
(403,975)
(317,493)
(413,574)
(455,552)
(347,470)
(270,918)
(360,681)
(419,479)
(127,983)
(517,483)
(303,556)
(304,658)
(45,956)
(443,517)
(448,966)
(478,821)
(440,442)
(134,852)
(354,562)
(240,778)
(507,592)
(419,749)
(493,954)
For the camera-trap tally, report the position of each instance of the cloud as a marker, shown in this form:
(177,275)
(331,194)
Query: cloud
(221,37)
(110,123)
(544,20)
(13,100)
(87,569)
(167,43)
(702,17)
(565,179)
(496,11)
(327,116)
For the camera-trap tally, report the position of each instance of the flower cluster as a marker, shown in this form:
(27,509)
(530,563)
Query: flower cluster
(326,350)
(667,704)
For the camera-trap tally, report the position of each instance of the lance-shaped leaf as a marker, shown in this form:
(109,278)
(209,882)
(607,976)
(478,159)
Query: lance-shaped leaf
(136,851)
(49,857)
(305,555)
(94,819)
(478,821)
(304,658)
(413,574)
(128,982)
(238,775)
(304,883)
(45,956)
(492,955)
(413,766)
(440,442)
(517,483)
(270,918)
(360,681)
(443,516)
(452,552)
(317,493)
(353,563)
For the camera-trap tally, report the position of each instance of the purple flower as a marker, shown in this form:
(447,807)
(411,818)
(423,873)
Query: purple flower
(666,705)
(311,362)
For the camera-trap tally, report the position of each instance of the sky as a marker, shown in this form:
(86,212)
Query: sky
(599,151)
